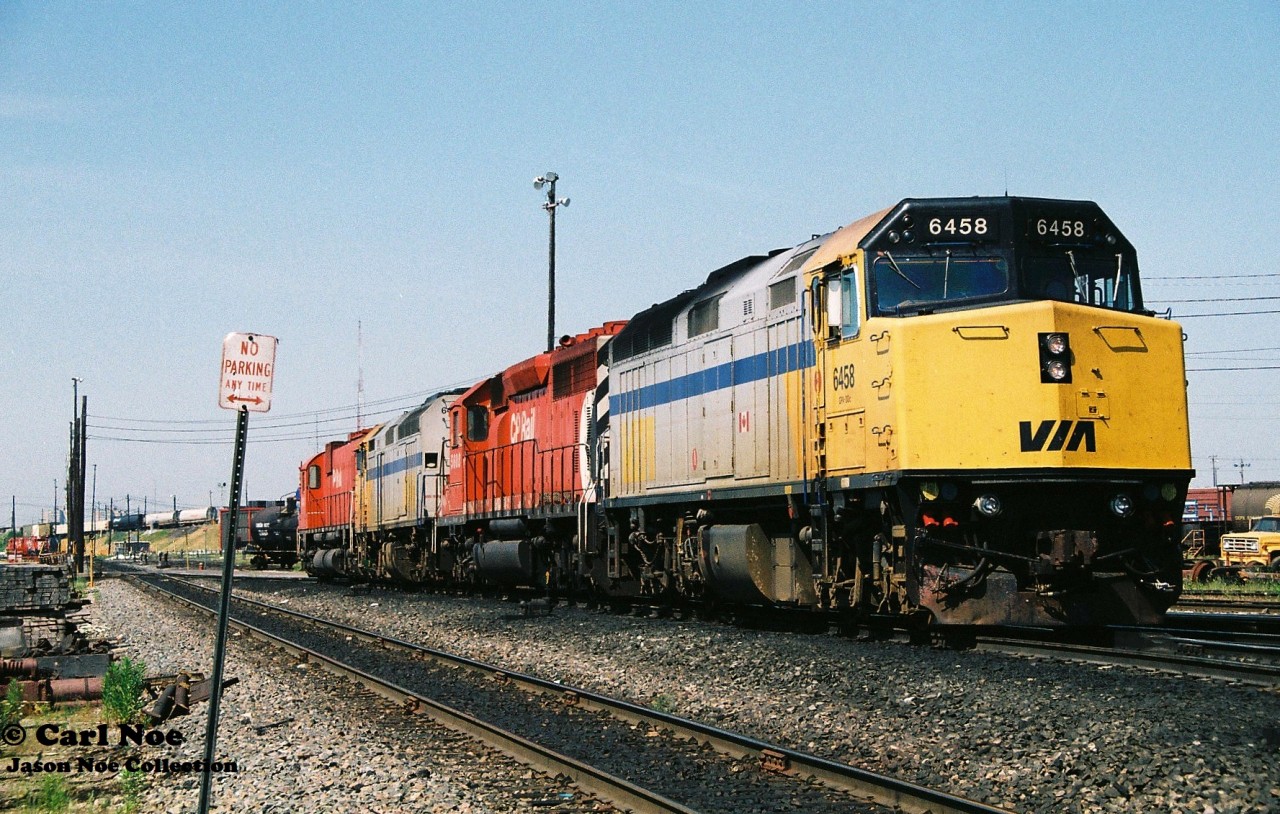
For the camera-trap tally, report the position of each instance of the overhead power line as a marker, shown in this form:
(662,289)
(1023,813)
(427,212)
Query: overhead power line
(1230,350)
(1220,299)
(1218,277)
(277,420)
(1225,314)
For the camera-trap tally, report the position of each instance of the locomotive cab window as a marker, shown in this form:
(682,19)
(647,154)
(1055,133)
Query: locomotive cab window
(908,285)
(849,304)
(477,422)
(313,476)
(1104,280)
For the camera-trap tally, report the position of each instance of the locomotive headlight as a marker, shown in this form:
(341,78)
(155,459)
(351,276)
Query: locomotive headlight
(1122,505)
(1055,357)
(988,505)
(1168,491)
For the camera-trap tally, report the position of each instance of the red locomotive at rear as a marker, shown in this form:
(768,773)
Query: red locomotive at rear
(327,488)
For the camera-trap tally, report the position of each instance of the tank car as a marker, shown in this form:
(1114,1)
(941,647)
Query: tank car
(196,517)
(128,521)
(160,520)
(273,535)
(1253,500)
(956,410)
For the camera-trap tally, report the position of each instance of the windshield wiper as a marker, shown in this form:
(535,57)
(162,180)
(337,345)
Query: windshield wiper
(898,271)
(1082,284)
(1115,289)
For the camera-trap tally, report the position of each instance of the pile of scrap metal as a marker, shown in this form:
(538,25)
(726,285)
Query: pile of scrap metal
(173,695)
(72,679)
(56,679)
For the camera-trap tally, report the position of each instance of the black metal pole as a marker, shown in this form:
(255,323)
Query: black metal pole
(224,609)
(551,269)
(82,457)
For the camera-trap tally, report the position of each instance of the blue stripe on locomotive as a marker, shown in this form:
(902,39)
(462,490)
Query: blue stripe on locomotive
(776,362)
(396,466)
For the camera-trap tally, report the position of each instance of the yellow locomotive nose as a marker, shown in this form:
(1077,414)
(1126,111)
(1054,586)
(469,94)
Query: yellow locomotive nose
(1026,386)
(993,390)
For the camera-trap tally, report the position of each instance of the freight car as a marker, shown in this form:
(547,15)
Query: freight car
(273,535)
(956,411)
(182,517)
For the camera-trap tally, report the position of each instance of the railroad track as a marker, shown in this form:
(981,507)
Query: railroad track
(1211,603)
(1220,646)
(612,738)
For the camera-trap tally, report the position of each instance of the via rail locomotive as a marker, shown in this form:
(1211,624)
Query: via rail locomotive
(953,410)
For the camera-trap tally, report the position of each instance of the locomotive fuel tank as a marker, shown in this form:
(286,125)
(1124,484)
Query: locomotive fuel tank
(505,562)
(743,565)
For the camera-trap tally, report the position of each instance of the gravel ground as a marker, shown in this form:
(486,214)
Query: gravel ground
(1031,735)
(304,740)
(692,775)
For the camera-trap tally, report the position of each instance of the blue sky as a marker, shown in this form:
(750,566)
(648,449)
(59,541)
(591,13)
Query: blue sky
(172,172)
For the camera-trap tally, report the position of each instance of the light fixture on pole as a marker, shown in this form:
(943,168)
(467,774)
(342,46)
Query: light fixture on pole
(549,179)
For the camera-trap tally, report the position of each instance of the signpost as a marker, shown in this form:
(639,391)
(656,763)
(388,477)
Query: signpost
(248,367)
(248,370)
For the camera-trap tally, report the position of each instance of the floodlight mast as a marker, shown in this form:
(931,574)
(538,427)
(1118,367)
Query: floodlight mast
(549,179)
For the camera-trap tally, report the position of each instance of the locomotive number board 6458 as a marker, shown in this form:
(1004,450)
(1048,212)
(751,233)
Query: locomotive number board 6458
(969,227)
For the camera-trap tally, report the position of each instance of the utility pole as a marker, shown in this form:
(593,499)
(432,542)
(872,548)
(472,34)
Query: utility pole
(551,205)
(1214,461)
(1242,466)
(359,378)
(82,464)
(93,513)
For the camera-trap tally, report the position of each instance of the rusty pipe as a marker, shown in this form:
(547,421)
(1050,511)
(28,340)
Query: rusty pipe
(18,668)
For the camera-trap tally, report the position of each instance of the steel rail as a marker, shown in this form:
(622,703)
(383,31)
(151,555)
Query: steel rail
(1222,603)
(613,790)
(860,783)
(1265,675)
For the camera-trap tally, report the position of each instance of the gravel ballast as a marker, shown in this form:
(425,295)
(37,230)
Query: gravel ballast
(1032,735)
(303,740)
